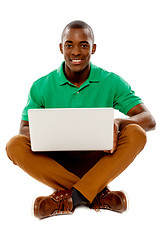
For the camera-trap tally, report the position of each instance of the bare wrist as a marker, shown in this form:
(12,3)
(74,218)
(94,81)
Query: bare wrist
(118,121)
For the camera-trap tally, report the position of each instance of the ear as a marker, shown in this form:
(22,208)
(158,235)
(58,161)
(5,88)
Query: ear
(94,48)
(61,48)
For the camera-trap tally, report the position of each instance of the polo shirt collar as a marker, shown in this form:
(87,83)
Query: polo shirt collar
(63,80)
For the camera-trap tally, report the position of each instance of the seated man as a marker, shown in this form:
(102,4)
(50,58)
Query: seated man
(82,177)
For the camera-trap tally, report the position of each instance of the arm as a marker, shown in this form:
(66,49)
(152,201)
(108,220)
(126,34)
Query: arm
(137,115)
(24,128)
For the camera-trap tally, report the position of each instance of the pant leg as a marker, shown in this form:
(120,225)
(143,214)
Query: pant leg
(43,168)
(38,165)
(131,141)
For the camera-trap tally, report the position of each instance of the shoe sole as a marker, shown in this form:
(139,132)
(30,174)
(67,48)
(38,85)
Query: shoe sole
(127,200)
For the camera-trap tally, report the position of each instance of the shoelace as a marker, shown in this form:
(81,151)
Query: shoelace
(63,205)
(99,203)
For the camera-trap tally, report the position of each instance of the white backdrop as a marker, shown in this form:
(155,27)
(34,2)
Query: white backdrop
(127,37)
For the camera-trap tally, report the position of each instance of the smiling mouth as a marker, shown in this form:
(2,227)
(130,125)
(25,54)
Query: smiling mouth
(76,61)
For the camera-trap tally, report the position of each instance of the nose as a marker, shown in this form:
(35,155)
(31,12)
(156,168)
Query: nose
(75,50)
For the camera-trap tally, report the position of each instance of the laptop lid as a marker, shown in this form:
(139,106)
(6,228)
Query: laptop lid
(71,129)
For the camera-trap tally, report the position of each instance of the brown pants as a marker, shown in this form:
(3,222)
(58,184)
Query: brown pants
(88,172)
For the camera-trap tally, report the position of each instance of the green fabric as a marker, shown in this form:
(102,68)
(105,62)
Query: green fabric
(101,89)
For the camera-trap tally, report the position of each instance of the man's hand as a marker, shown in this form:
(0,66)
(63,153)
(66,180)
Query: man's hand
(115,137)
(137,115)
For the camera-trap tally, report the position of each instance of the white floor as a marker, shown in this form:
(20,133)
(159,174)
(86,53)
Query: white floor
(140,181)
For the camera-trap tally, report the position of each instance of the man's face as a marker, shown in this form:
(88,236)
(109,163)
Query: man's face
(77,47)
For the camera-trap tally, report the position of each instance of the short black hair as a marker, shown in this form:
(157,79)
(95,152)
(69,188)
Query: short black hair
(78,24)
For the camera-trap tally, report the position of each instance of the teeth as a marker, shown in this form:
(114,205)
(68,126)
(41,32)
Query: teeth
(76,60)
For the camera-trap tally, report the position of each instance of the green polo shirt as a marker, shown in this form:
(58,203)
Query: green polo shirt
(101,89)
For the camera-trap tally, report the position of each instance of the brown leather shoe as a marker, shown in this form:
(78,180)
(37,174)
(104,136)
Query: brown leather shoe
(60,202)
(110,200)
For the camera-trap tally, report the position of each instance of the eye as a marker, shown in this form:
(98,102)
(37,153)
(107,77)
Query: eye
(68,45)
(84,46)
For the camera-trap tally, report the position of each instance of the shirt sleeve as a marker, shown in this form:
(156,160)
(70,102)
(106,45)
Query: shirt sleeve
(34,101)
(125,98)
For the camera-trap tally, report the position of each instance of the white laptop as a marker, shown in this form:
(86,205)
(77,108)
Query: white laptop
(71,129)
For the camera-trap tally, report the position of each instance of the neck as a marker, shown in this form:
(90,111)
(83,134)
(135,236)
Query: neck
(77,78)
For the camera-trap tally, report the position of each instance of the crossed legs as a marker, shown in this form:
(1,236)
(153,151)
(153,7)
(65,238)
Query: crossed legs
(103,167)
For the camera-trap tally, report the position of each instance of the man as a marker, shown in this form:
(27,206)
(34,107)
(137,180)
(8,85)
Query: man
(82,177)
